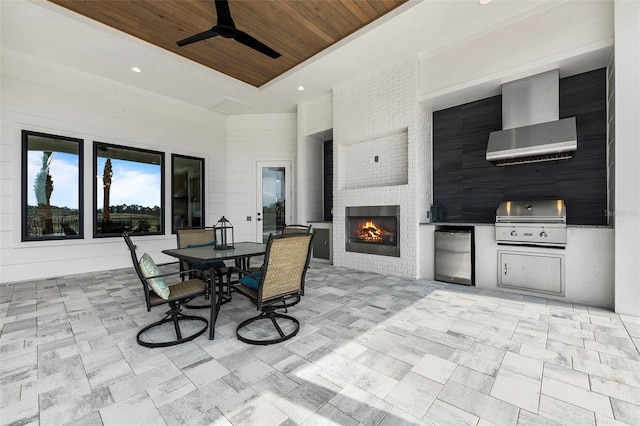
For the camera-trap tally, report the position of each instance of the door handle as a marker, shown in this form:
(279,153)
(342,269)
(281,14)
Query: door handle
(505,269)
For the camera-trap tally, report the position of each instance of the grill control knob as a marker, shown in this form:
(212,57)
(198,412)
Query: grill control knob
(514,233)
(543,234)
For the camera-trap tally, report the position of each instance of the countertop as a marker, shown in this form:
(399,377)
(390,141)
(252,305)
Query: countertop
(453,224)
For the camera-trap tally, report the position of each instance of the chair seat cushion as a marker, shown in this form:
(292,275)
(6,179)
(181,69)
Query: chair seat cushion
(253,282)
(216,264)
(189,288)
(150,269)
(208,265)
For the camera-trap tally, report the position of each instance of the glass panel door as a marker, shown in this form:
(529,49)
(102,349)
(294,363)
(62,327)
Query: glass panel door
(273,203)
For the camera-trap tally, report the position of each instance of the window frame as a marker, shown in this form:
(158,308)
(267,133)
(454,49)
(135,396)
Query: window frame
(202,188)
(24,188)
(97,176)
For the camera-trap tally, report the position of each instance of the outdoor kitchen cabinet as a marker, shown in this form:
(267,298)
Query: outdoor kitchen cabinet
(321,244)
(531,271)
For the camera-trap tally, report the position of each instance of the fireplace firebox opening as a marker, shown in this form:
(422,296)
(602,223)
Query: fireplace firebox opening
(373,230)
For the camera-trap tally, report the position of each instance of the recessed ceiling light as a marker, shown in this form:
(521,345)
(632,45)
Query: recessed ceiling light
(136,69)
(300,88)
(484,1)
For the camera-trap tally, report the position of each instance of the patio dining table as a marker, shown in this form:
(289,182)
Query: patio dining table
(241,253)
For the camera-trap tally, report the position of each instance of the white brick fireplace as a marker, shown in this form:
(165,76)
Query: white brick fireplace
(381,157)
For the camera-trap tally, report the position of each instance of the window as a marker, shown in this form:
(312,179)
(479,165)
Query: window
(51,187)
(187,192)
(128,191)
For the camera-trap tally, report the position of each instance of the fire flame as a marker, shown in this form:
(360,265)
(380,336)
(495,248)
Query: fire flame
(370,232)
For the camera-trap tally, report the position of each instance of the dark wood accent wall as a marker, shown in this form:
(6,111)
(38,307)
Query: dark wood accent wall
(469,188)
(327,153)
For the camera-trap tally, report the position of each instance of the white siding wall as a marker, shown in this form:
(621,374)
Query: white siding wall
(42,96)
(253,138)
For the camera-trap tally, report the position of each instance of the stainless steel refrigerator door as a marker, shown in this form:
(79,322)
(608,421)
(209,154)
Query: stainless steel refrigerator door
(453,256)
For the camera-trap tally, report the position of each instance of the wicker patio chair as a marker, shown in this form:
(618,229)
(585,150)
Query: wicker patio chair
(278,285)
(199,237)
(288,229)
(296,229)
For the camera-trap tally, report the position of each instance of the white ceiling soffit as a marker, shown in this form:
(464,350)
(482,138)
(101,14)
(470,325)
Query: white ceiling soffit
(45,30)
(511,52)
(228,106)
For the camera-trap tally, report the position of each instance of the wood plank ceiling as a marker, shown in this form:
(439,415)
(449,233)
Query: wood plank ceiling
(297,29)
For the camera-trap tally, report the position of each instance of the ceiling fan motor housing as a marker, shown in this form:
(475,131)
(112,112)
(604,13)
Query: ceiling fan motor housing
(225,31)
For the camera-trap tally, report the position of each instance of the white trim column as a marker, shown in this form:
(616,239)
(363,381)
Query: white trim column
(627,157)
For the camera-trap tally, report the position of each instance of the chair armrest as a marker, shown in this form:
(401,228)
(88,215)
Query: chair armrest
(167,264)
(178,273)
(249,273)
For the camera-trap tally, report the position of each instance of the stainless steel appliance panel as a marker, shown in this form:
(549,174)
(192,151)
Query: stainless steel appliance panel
(543,235)
(454,256)
(532,271)
(539,223)
(552,211)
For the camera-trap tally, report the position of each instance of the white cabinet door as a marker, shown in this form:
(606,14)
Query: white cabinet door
(531,271)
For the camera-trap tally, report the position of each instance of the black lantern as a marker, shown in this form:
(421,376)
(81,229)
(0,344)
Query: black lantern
(223,231)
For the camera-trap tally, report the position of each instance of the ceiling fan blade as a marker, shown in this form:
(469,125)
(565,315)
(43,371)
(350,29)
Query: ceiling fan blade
(224,14)
(227,29)
(251,42)
(198,37)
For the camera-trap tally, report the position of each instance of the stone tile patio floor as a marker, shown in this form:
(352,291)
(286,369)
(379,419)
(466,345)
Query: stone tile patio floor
(372,350)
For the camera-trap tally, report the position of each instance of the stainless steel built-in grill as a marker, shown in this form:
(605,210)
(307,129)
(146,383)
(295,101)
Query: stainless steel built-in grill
(537,223)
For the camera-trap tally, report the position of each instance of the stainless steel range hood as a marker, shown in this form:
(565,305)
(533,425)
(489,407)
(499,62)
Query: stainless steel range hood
(532,131)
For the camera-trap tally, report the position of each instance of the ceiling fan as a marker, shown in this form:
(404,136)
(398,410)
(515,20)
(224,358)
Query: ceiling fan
(227,29)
